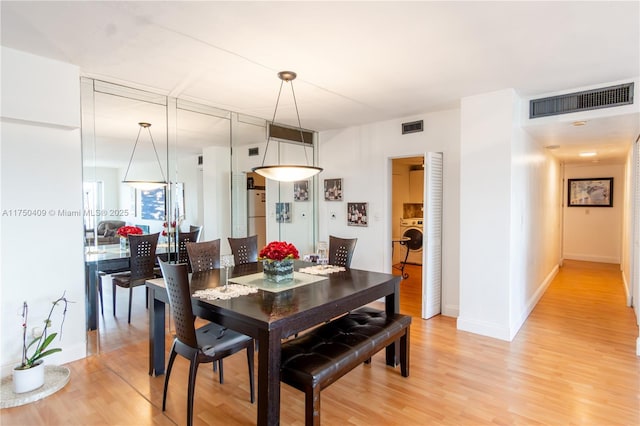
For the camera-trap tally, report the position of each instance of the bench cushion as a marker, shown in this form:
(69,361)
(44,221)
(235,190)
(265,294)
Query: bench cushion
(324,354)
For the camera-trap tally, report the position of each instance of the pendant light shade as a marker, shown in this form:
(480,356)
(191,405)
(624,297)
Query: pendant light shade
(287,172)
(145,184)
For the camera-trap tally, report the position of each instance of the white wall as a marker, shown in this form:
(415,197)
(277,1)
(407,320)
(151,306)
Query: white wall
(594,234)
(41,255)
(509,224)
(361,157)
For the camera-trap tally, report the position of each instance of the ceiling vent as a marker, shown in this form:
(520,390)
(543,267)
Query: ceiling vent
(253,152)
(412,127)
(582,101)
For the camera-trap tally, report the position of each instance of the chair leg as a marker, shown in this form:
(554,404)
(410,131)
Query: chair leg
(172,358)
(404,354)
(221,372)
(100,294)
(312,406)
(250,351)
(130,298)
(193,370)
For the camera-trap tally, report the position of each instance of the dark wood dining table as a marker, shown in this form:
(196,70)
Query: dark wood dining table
(270,316)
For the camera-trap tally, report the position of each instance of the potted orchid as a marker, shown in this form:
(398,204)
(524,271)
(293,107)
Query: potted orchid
(277,261)
(29,375)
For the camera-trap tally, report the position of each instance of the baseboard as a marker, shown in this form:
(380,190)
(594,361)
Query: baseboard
(591,258)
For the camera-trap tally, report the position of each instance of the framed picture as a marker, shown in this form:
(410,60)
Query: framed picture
(590,192)
(357,214)
(301,190)
(152,203)
(333,189)
(283,212)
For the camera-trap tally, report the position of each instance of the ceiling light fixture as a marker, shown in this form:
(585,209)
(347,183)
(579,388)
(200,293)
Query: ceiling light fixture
(578,123)
(287,172)
(587,154)
(145,184)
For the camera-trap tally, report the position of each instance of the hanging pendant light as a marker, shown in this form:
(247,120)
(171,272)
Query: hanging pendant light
(145,184)
(286,172)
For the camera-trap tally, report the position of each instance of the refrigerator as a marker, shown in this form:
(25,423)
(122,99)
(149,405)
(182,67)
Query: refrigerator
(256,213)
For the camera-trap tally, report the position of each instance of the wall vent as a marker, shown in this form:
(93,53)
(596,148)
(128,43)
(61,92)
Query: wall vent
(290,134)
(412,127)
(199,160)
(253,152)
(606,97)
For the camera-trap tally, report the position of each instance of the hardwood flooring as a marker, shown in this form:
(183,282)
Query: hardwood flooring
(572,363)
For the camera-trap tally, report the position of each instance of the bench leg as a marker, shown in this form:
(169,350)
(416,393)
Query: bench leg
(404,353)
(312,407)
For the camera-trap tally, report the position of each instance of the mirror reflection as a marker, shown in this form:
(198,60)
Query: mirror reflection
(206,154)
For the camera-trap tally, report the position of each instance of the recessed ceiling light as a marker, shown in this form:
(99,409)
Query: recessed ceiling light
(587,154)
(578,123)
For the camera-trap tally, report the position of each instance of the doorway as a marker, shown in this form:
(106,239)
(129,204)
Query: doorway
(416,224)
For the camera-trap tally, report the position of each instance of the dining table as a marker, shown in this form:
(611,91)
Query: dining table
(106,259)
(272,313)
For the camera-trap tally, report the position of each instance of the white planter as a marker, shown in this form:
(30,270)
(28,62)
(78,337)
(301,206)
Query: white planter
(29,379)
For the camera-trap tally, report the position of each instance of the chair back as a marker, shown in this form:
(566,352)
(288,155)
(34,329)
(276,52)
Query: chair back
(341,251)
(176,278)
(245,250)
(196,228)
(204,256)
(183,239)
(142,258)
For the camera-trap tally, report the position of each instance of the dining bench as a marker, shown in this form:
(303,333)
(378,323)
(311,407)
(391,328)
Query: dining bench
(319,357)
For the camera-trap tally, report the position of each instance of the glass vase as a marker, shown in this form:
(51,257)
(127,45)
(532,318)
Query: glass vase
(278,271)
(124,243)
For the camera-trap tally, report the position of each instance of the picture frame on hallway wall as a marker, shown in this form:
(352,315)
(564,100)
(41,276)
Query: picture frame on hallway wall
(333,189)
(590,192)
(357,214)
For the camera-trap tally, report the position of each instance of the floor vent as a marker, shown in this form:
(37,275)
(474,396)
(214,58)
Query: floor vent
(582,101)
(412,127)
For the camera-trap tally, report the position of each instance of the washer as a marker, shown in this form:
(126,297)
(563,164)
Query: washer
(413,228)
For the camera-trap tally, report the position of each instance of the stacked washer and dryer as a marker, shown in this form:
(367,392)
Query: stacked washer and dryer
(412,228)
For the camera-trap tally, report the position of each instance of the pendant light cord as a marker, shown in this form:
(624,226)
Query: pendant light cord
(154,150)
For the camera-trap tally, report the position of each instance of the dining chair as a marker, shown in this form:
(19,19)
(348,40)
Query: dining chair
(245,250)
(142,258)
(209,343)
(204,255)
(183,239)
(341,250)
(196,228)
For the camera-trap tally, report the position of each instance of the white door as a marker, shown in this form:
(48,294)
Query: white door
(432,272)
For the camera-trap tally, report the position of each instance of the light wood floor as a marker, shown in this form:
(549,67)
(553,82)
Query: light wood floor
(572,363)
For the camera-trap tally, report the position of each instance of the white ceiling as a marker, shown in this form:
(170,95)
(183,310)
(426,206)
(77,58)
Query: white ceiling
(357,62)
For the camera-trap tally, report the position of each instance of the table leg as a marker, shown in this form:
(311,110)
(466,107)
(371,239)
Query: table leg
(156,334)
(392,306)
(91,283)
(269,378)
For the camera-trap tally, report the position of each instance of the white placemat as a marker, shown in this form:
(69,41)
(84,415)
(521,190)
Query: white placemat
(322,269)
(233,290)
(258,281)
(55,378)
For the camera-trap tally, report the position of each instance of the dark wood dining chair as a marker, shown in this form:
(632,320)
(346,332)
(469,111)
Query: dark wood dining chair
(204,255)
(209,343)
(142,258)
(196,228)
(245,250)
(183,239)
(341,251)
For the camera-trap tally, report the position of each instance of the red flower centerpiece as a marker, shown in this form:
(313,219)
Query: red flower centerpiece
(124,231)
(277,261)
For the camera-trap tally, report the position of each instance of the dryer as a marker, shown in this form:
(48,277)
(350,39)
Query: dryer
(412,228)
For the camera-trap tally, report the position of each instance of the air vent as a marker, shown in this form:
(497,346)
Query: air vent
(199,160)
(582,101)
(412,127)
(253,152)
(290,134)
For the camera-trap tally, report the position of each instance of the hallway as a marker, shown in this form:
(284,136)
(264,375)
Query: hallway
(573,362)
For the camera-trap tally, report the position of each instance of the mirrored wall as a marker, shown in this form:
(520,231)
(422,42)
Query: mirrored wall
(206,154)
